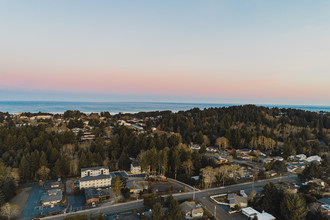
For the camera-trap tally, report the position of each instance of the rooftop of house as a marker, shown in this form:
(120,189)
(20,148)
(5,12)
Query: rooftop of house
(135,164)
(325,200)
(52,191)
(91,193)
(249,211)
(265,216)
(137,184)
(188,206)
(236,199)
(52,198)
(53,185)
(94,168)
(99,177)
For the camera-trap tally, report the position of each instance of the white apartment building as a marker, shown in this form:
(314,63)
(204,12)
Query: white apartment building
(94,177)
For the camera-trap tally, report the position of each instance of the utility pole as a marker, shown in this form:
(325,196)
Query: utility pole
(215,211)
(194,194)
(137,200)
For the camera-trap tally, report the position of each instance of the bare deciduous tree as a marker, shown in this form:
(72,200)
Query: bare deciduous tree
(9,211)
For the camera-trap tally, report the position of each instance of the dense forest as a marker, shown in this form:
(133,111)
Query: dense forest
(39,151)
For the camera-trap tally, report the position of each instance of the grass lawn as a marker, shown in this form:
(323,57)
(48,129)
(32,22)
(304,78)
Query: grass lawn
(221,199)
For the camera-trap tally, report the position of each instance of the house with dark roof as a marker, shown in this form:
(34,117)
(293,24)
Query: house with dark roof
(191,210)
(95,195)
(235,199)
(52,197)
(136,185)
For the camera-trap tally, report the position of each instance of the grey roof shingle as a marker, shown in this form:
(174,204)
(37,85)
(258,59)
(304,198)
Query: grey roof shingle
(94,168)
(99,177)
(53,198)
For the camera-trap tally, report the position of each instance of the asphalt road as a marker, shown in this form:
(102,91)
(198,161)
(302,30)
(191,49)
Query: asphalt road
(202,196)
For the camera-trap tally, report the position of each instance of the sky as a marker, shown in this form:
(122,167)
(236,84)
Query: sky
(246,52)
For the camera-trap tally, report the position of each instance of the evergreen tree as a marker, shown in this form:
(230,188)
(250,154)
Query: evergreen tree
(53,155)
(65,165)
(176,162)
(154,161)
(24,169)
(43,160)
(203,149)
(199,138)
(83,160)
(58,168)
(271,199)
(293,207)
(124,161)
(174,212)
(157,212)
(2,198)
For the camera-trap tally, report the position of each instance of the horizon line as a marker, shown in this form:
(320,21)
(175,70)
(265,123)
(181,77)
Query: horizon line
(169,102)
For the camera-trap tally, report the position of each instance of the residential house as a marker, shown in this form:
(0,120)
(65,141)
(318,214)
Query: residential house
(270,173)
(91,196)
(235,199)
(318,182)
(191,210)
(52,197)
(251,213)
(136,185)
(195,147)
(44,117)
(95,195)
(87,137)
(54,185)
(278,158)
(135,168)
(301,157)
(267,160)
(314,158)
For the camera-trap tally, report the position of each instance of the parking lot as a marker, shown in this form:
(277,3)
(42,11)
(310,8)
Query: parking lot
(33,206)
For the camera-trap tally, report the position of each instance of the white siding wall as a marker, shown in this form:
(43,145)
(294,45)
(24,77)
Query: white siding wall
(94,172)
(95,183)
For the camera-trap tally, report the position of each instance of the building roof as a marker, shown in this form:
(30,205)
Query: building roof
(187,206)
(91,193)
(265,216)
(53,185)
(135,164)
(248,211)
(237,200)
(53,198)
(99,177)
(94,168)
(52,191)
(137,184)
(325,200)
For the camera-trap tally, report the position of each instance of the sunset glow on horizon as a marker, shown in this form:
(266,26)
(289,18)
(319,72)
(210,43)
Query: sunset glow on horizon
(188,51)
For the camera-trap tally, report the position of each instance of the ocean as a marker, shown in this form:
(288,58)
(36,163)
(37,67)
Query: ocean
(124,107)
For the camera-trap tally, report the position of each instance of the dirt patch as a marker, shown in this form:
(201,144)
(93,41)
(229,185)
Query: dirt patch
(21,197)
